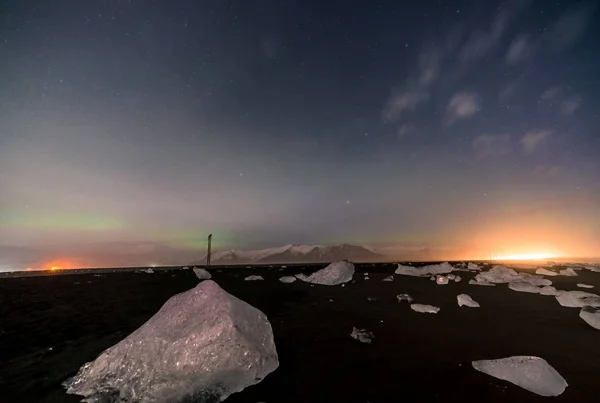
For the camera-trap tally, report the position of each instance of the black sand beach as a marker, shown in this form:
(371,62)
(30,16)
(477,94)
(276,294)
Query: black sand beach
(51,325)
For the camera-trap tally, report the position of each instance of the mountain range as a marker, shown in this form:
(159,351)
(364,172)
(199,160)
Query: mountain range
(295,254)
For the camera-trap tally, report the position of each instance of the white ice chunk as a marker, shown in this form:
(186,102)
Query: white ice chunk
(534,280)
(595,269)
(568,272)
(287,279)
(581,285)
(202,345)
(530,373)
(390,278)
(185,268)
(591,317)
(497,274)
(253,277)
(366,274)
(481,282)
(202,274)
(405,298)
(422,308)
(457,279)
(432,278)
(441,280)
(466,300)
(549,290)
(473,267)
(451,276)
(545,272)
(522,286)
(362,335)
(334,274)
(577,299)
(441,268)
(367,277)
(148,270)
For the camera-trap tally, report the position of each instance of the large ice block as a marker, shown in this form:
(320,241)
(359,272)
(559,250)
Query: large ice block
(202,345)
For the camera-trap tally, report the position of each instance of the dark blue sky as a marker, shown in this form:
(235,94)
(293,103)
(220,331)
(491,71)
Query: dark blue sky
(144,125)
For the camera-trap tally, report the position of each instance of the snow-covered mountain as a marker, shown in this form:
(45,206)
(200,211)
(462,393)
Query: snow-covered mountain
(295,254)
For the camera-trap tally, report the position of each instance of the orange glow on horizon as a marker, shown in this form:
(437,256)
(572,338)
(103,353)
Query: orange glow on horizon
(527,256)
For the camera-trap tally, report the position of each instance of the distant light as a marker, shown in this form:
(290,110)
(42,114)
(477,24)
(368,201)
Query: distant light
(54,268)
(527,256)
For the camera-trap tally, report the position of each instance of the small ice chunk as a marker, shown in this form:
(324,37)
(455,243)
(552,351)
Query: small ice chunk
(591,317)
(457,279)
(366,274)
(390,278)
(202,274)
(432,278)
(522,286)
(481,282)
(530,373)
(581,285)
(568,272)
(473,267)
(185,268)
(253,277)
(405,298)
(202,345)
(466,300)
(362,335)
(549,290)
(284,267)
(366,278)
(148,270)
(287,279)
(422,308)
(545,272)
(441,268)
(371,299)
(334,274)
(441,280)
(534,280)
(451,276)
(577,299)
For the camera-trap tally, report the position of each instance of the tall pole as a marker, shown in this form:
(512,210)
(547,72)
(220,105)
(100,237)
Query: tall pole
(208,254)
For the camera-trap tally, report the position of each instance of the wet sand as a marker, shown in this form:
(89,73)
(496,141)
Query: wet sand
(51,325)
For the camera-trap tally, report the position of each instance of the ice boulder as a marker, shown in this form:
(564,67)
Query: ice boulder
(451,276)
(202,345)
(545,272)
(425,271)
(254,278)
(577,299)
(441,280)
(497,274)
(390,278)
(334,274)
(362,335)
(149,270)
(568,272)
(591,317)
(287,279)
(466,300)
(522,286)
(422,308)
(202,274)
(581,285)
(534,280)
(530,373)
(457,279)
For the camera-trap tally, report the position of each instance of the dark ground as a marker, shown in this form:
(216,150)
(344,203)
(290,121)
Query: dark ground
(50,326)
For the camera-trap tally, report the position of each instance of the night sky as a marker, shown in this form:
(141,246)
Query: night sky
(129,130)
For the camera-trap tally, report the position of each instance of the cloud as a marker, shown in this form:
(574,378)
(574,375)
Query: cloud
(532,139)
(488,145)
(570,27)
(519,50)
(462,105)
(403,101)
(551,93)
(569,106)
(405,130)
